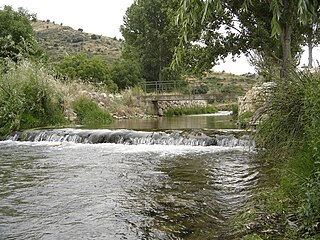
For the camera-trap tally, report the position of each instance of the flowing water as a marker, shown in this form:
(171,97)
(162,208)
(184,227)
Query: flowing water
(123,184)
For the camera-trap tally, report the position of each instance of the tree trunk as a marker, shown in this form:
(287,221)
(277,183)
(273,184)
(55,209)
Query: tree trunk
(286,33)
(286,49)
(310,46)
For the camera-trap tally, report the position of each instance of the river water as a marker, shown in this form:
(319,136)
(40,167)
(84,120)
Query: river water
(55,187)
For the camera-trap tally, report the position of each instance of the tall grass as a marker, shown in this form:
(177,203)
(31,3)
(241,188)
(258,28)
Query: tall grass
(28,97)
(291,136)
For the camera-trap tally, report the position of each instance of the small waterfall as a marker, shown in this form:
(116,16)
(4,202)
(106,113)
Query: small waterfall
(131,137)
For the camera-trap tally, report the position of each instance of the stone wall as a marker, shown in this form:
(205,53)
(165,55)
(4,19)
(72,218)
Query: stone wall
(163,106)
(255,102)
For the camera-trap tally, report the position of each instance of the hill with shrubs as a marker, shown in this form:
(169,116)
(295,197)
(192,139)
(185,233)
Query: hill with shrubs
(59,40)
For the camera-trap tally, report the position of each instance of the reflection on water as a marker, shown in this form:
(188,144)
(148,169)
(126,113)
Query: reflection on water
(109,191)
(222,120)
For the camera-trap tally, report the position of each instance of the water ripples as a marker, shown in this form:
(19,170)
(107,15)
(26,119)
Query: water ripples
(115,191)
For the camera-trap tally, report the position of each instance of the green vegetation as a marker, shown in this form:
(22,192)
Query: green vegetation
(150,36)
(89,113)
(89,69)
(57,40)
(31,97)
(190,110)
(17,36)
(126,74)
(28,98)
(291,136)
(247,26)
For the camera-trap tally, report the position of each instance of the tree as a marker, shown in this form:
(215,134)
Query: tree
(88,69)
(312,33)
(16,35)
(150,32)
(126,73)
(283,18)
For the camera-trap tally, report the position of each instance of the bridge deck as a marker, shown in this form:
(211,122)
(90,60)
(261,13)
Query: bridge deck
(188,97)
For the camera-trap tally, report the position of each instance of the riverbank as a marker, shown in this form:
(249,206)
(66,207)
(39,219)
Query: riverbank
(287,206)
(31,96)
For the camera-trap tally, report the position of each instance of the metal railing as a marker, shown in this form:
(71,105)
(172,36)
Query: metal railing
(177,86)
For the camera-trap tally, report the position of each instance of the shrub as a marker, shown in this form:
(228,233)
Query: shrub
(126,74)
(89,113)
(201,89)
(94,37)
(88,69)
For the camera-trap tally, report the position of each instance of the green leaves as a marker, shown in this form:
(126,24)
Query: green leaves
(88,69)
(16,35)
(126,74)
(150,32)
(275,26)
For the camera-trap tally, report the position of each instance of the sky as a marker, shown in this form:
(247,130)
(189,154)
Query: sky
(105,17)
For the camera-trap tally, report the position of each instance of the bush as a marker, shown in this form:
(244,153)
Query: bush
(89,69)
(94,37)
(89,113)
(126,74)
(201,89)
(28,98)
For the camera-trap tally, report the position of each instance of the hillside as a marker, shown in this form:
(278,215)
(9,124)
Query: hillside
(59,40)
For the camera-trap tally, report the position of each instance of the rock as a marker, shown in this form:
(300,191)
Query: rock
(255,101)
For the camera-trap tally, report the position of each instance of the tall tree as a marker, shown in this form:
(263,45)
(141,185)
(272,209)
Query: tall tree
(312,33)
(16,34)
(280,17)
(150,31)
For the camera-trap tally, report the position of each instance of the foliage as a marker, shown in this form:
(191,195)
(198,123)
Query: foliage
(236,27)
(292,137)
(177,111)
(151,34)
(201,89)
(311,207)
(89,113)
(28,98)
(126,74)
(16,35)
(286,122)
(89,69)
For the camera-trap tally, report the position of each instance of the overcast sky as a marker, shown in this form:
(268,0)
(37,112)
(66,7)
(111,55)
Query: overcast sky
(103,17)
(94,16)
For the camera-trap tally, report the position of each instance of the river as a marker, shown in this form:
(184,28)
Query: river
(66,184)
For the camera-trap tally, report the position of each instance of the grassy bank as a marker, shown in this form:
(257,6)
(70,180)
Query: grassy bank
(289,206)
(31,96)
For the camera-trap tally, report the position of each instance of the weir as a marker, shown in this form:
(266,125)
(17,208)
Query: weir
(130,137)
